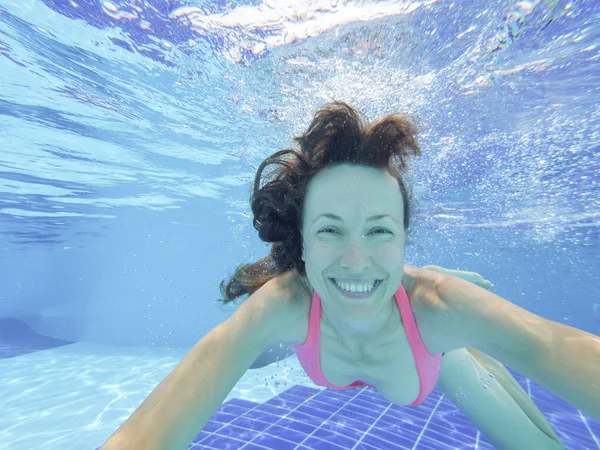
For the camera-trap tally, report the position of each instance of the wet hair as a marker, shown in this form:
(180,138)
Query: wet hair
(336,135)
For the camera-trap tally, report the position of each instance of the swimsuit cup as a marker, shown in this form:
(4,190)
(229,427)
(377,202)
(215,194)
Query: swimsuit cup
(428,365)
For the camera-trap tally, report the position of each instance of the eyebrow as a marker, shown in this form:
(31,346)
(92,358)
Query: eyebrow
(370,219)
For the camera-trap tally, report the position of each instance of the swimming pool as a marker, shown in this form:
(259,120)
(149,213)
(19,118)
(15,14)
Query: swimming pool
(130,135)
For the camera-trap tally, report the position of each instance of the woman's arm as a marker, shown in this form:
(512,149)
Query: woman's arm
(471,277)
(182,404)
(493,400)
(563,359)
(497,403)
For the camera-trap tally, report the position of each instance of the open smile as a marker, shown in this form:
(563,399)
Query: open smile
(351,291)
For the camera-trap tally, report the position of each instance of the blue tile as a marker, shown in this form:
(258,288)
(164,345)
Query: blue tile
(453,429)
(303,391)
(398,427)
(341,419)
(452,440)
(275,443)
(318,444)
(212,426)
(397,413)
(263,416)
(395,434)
(305,418)
(222,442)
(364,403)
(246,404)
(290,434)
(363,446)
(251,424)
(594,426)
(348,393)
(446,405)
(325,407)
(353,430)
(426,444)
(484,445)
(224,417)
(403,424)
(333,396)
(293,398)
(548,402)
(301,427)
(201,436)
(573,441)
(360,413)
(273,409)
(313,419)
(243,434)
(332,434)
(312,411)
(284,403)
(231,408)
(571,430)
(398,444)
(372,397)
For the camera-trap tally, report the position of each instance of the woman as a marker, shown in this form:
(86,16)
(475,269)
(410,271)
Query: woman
(335,283)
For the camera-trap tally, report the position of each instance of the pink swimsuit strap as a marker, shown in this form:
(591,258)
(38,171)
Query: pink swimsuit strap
(428,366)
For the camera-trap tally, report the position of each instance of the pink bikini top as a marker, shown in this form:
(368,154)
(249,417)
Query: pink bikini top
(428,366)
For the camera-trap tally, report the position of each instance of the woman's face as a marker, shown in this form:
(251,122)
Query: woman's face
(353,233)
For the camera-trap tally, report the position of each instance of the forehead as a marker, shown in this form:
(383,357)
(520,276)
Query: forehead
(361,189)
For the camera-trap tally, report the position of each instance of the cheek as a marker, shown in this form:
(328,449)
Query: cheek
(318,253)
(392,256)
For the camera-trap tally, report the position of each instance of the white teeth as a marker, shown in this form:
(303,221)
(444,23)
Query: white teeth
(353,287)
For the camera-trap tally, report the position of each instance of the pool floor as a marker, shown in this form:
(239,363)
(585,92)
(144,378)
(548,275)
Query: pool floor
(307,418)
(56,394)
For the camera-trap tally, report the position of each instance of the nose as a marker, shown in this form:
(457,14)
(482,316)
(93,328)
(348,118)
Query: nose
(354,255)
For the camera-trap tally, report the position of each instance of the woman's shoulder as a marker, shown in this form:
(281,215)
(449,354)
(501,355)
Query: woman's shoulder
(422,289)
(293,296)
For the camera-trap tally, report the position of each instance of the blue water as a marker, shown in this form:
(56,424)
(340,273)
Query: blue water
(130,132)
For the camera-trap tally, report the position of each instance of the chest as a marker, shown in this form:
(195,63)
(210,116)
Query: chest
(387,363)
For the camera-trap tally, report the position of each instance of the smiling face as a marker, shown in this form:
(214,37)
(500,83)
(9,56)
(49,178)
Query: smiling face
(352,229)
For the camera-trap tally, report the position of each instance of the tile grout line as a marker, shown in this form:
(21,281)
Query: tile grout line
(427,422)
(216,432)
(198,444)
(372,425)
(335,412)
(589,429)
(248,411)
(275,423)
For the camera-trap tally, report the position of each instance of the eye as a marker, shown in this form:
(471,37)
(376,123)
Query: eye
(381,230)
(375,231)
(324,230)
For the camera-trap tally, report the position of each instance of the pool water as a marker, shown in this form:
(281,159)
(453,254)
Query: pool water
(130,132)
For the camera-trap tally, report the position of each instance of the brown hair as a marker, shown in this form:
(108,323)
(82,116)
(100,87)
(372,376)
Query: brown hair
(336,135)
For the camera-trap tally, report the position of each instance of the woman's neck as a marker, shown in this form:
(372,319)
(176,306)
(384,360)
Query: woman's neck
(355,332)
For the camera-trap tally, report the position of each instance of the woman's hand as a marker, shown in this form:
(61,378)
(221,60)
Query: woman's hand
(471,277)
